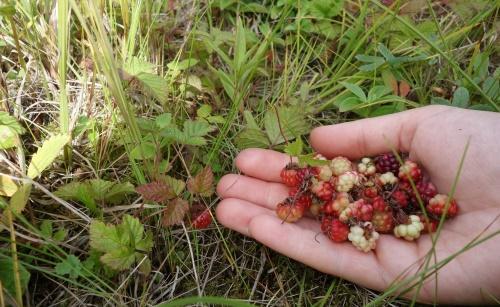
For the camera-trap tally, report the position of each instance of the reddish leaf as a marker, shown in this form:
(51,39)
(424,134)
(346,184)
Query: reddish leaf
(404,88)
(202,183)
(175,212)
(155,191)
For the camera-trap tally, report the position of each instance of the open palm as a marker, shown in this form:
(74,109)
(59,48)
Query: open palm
(435,137)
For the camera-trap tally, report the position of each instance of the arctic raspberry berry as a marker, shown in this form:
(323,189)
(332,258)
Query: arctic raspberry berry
(334,229)
(346,181)
(303,200)
(379,204)
(370,192)
(323,172)
(387,163)
(382,221)
(340,165)
(430,224)
(400,198)
(411,230)
(340,203)
(409,170)
(201,220)
(289,212)
(364,239)
(426,190)
(437,206)
(289,175)
(359,210)
(322,189)
(366,167)
(387,179)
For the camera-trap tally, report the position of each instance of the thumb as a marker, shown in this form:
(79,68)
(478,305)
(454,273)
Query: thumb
(372,136)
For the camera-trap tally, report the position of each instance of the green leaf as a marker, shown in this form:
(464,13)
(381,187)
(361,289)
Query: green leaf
(60,235)
(8,137)
(164,120)
(252,138)
(204,111)
(194,131)
(7,275)
(439,100)
(46,154)
(11,122)
(250,120)
(369,58)
(292,121)
(386,53)
(70,266)
(355,89)
(99,188)
(377,92)
(177,185)
(295,148)
(182,65)
(348,103)
(155,85)
(7,186)
(240,46)
(121,244)
(136,66)
(46,228)
(118,192)
(460,98)
(7,10)
(143,151)
(19,200)
(227,84)
(309,160)
(491,87)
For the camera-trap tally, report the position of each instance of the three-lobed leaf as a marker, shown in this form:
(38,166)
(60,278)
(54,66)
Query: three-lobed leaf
(174,212)
(203,183)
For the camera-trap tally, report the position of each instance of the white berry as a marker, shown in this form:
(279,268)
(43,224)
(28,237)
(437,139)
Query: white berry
(361,239)
(388,178)
(340,165)
(409,231)
(347,181)
(366,167)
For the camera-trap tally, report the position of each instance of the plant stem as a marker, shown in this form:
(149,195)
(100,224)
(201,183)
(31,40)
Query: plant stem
(15,262)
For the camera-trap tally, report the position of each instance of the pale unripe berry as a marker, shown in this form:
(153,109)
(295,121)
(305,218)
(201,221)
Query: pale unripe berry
(347,181)
(340,165)
(361,239)
(388,178)
(409,231)
(367,167)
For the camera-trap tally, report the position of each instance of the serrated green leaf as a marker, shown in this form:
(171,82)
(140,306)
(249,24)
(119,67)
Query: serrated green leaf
(377,92)
(250,120)
(309,160)
(252,138)
(118,192)
(204,111)
(439,100)
(177,186)
(136,66)
(143,151)
(155,85)
(295,148)
(46,154)
(120,243)
(11,122)
(226,83)
(46,228)
(70,266)
(292,121)
(99,188)
(60,235)
(7,275)
(164,120)
(386,53)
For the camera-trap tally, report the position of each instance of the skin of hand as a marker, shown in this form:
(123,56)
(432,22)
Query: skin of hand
(436,138)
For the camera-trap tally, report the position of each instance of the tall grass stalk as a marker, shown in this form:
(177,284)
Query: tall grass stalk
(63,41)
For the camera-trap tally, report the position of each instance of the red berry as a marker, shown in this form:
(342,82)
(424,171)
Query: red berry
(437,205)
(379,205)
(370,192)
(387,163)
(426,190)
(411,170)
(289,175)
(201,220)
(360,210)
(289,212)
(322,189)
(430,224)
(334,229)
(304,200)
(382,221)
(340,203)
(400,198)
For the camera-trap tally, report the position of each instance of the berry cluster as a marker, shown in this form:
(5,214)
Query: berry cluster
(357,201)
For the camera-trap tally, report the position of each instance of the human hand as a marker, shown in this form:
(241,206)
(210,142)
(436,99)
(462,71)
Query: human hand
(436,138)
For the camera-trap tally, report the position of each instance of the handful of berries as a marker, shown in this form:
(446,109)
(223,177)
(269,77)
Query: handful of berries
(357,201)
